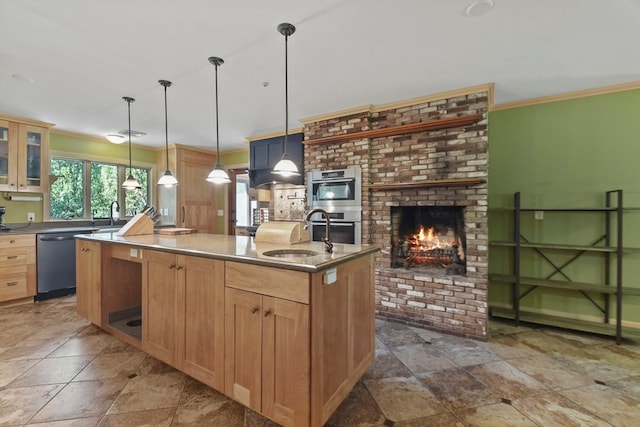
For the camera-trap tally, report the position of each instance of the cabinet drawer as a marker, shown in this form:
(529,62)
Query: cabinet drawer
(275,282)
(125,252)
(13,283)
(18,256)
(17,241)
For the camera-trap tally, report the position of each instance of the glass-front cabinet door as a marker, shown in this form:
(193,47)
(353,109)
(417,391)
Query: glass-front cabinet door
(22,150)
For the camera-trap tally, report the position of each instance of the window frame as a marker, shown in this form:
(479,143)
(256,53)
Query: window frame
(86,199)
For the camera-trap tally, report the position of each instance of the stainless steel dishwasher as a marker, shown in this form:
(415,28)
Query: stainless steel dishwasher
(56,263)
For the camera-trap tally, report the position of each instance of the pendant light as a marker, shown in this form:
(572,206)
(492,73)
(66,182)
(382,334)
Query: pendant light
(285,166)
(217,175)
(130,183)
(168,180)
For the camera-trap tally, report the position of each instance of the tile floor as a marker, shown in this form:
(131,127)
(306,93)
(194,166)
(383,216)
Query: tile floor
(57,370)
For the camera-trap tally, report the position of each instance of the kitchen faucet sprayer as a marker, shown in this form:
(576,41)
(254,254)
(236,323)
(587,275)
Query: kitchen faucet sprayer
(114,217)
(328,244)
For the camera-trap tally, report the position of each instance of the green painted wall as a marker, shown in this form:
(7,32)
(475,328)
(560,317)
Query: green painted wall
(559,155)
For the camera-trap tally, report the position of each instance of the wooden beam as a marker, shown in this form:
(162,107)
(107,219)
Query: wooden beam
(429,125)
(456,182)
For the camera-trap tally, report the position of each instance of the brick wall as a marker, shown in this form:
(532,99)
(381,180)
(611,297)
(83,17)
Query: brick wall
(453,304)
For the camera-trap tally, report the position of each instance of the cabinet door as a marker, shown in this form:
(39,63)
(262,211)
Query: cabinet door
(33,142)
(243,347)
(159,305)
(8,156)
(201,319)
(88,281)
(285,361)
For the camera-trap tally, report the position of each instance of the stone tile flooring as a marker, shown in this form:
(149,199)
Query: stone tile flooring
(57,370)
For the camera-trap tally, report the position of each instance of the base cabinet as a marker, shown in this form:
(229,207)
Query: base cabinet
(88,281)
(267,355)
(17,267)
(183,313)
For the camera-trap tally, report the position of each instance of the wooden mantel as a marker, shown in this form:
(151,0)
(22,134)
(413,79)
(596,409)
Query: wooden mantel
(429,125)
(455,182)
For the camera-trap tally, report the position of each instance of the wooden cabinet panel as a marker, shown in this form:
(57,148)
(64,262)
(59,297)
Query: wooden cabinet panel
(243,348)
(88,281)
(285,361)
(196,196)
(17,267)
(201,319)
(159,306)
(287,284)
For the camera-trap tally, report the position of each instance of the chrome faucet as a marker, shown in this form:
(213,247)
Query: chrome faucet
(114,218)
(328,244)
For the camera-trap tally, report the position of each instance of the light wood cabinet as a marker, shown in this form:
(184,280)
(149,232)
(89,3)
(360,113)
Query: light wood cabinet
(192,203)
(17,267)
(88,281)
(183,313)
(23,155)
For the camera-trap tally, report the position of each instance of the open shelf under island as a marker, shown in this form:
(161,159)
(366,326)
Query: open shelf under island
(288,337)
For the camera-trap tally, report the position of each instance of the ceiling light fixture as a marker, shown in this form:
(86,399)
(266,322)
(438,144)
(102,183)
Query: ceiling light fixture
(479,7)
(285,166)
(217,175)
(130,183)
(168,180)
(115,138)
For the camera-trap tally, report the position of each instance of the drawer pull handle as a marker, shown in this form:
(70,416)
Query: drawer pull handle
(267,313)
(12,283)
(254,310)
(12,257)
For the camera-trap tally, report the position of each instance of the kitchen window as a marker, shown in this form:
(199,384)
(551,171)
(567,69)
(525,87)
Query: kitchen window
(80,187)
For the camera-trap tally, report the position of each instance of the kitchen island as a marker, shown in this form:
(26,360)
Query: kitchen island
(286,330)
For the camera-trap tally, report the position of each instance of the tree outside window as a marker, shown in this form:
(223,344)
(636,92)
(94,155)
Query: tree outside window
(84,187)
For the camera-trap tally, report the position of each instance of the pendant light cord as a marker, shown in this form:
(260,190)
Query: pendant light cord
(166,125)
(217,121)
(286,93)
(129,116)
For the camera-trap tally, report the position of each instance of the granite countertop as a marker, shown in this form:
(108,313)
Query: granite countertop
(240,249)
(57,227)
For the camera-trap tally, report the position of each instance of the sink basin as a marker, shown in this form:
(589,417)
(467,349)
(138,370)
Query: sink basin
(290,253)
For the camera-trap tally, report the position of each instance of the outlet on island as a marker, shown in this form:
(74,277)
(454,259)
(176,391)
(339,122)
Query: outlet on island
(31,216)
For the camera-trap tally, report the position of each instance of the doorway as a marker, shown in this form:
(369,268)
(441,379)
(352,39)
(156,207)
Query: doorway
(242,202)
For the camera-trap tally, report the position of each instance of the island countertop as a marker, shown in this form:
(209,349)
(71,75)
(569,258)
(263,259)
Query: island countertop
(239,248)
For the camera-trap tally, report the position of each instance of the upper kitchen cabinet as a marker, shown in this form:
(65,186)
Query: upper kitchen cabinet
(191,203)
(23,149)
(265,153)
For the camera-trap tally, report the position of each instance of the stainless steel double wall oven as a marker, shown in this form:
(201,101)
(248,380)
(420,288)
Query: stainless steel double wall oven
(339,193)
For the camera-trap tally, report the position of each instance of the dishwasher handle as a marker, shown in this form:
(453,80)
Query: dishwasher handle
(55,239)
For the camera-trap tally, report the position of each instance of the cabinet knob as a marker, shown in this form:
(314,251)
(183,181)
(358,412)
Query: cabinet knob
(172,266)
(179,268)
(267,313)
(254,310)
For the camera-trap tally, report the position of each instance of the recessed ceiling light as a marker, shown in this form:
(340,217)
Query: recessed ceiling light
(22,78)
(479,7)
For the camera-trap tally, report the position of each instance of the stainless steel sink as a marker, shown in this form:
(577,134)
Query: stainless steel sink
(290,253)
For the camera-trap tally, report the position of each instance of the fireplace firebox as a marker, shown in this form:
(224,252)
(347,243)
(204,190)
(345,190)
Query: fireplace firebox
(429,238)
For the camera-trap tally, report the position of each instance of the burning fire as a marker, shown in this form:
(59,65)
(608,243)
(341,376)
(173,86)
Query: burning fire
(429,239)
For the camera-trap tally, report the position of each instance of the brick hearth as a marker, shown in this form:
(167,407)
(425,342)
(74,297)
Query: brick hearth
(416,164)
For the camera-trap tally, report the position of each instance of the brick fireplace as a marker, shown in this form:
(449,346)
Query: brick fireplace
(427,154)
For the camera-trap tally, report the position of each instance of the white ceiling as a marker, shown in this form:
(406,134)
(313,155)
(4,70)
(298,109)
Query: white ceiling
(85,55)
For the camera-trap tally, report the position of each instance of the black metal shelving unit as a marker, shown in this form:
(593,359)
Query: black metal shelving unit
(608,244)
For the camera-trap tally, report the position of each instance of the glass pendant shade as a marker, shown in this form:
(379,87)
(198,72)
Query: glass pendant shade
(285,166)
(218,176)
(168,180)
(130,183)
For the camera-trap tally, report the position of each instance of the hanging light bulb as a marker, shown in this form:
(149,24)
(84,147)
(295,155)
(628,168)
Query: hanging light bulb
(168,180)
(130,183)
(285,166)
(217,175)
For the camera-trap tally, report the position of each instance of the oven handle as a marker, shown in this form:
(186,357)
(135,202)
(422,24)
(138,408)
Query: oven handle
(331,181)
